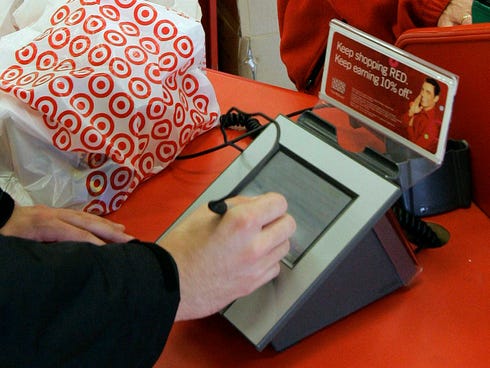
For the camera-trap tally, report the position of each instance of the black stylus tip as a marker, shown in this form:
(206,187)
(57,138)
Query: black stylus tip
(219,207)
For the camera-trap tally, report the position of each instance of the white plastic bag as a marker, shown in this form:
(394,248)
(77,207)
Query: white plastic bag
(98,96)
(18,14)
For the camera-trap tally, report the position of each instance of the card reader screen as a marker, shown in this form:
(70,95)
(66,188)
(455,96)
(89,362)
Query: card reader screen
(315,200)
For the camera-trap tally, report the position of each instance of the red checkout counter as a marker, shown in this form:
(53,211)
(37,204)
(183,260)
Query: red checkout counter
(441,320)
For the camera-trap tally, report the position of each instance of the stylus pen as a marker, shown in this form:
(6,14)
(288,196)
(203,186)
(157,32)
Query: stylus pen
(218,206)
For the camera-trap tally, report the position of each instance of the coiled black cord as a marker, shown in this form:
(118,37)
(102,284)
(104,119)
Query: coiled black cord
(237,119)
(417,231)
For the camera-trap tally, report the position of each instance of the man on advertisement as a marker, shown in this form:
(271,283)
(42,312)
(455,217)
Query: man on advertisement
(422,121)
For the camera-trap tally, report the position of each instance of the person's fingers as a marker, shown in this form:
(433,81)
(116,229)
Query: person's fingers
(263,208)
(271,265)
(62,231)
(445,22)
(98,226)
(272,244)
(466,19)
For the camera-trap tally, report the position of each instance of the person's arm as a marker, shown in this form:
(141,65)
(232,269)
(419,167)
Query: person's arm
(114,305)
(303,29)
(49,224)
(78,304)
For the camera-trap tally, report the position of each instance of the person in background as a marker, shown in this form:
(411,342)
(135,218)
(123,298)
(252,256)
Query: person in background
(68,300)
(303,27)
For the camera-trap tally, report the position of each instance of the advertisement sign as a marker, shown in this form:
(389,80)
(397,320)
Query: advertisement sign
(403,97)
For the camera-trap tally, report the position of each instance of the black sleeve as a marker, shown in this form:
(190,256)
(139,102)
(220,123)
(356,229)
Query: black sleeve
(6,207)
(80,305)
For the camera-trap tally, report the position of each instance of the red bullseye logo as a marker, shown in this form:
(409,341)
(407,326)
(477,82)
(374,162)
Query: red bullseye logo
(179,115)
(27,79)
(27,54)
(62,139)
(143,142)
(103,123)
(47,106)
(137,124)
(96,206)
(60,15)
(146,163)
(50,124)
(156,108)
(121,105)
(47,60)
(130,29)
(94,24)
(197,118)
(83,104)
(201,103)
(184,46)
(185,68)
(115,38)
(66,65)
(167,96)
(82,72)
(121,147)
(166,151)
(76,17)
(43,79)
(101,85)
(99,55)
(71,121)
(185,135)
(161,129)
(24,95)
(95,160)
(168,62)
(110,12)
(121,178)
(117,201)
(45,34)
(61,86)
(59,38)
(165,30)
(150,45)
(120,67)
(183,99)
(139,88)
(92,138)
(11,73)
(171,82)
(79,45)
(136,55)
(212,118)
(145,14)
(152,72)
(125,4)
(96,183)
(190,84)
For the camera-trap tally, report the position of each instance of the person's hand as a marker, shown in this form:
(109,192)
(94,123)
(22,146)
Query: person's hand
(224,258)
(456,13)
(415,106)
(47,224)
